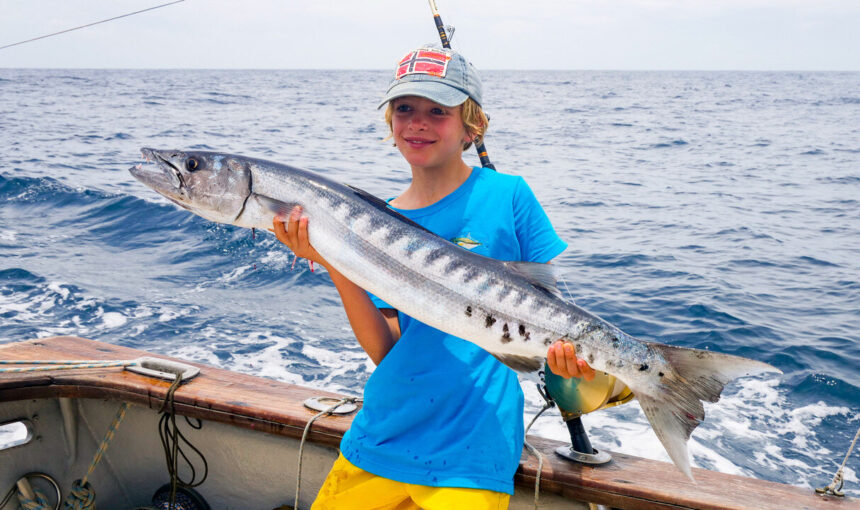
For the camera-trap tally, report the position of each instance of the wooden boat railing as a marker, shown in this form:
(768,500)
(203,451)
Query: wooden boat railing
(275,407)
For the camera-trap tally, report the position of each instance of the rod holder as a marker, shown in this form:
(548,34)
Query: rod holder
(580,449)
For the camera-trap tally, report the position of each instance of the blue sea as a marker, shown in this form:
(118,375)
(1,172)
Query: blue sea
(716,210)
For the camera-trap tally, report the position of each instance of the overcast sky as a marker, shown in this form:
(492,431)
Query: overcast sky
(498,34)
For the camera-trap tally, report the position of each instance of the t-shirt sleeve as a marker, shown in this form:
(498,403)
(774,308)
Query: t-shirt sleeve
(378,302)
(536,235)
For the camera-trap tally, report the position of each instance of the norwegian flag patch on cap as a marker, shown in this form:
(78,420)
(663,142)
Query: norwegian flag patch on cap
(424,61)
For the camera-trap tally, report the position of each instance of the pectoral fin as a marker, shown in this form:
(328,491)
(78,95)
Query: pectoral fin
(277,208)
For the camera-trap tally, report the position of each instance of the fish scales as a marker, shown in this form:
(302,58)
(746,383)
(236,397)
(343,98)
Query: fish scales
(512,310)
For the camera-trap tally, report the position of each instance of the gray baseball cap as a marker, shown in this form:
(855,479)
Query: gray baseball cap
(439,74)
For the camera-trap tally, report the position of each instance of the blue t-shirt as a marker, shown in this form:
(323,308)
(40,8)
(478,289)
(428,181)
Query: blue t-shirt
(438,410)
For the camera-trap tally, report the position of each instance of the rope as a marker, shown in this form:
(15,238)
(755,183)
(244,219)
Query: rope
(63,365)
(39,503)
(90,24)
(838,478)
(170,437)
(535,451)
(39,500)
(82,496)
(326,412)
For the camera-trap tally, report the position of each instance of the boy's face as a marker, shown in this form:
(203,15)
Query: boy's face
(428,134)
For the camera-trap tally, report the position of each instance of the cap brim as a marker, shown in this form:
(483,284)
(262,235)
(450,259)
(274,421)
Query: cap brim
(434,91)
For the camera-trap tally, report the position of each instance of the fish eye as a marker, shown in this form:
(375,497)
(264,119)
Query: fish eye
(191,164)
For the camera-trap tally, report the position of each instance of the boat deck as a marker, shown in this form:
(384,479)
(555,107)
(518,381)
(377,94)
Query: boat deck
(277,408)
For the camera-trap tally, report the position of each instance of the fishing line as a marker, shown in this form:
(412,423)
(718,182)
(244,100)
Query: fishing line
(91,24)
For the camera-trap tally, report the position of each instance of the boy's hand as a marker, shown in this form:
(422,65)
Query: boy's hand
(295,235)
(562,360)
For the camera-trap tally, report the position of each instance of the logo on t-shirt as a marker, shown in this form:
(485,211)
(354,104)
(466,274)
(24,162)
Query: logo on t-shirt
(466,241)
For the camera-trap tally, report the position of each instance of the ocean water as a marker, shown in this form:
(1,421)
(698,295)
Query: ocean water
(716,210)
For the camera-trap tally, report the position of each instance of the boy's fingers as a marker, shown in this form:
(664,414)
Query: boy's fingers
(303,231)
(279,230)
(586,371)
(550,359)
(558,354)
(570,361)
(293,226)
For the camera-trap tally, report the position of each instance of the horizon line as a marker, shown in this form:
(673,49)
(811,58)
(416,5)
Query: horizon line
(339,69)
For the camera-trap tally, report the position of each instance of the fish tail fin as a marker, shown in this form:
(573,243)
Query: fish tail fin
(695,376)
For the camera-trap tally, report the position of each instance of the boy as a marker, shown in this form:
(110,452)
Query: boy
(442,422)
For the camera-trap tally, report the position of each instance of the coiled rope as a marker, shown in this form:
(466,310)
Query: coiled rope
(82,496)
(170,438)
(326,412)
(835,487)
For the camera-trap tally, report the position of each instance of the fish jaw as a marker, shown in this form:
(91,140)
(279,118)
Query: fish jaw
(212,185)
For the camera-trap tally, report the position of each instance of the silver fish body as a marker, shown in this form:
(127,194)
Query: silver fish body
(510,309)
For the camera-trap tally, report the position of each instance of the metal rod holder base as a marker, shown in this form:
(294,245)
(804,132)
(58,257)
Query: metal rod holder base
(580,449)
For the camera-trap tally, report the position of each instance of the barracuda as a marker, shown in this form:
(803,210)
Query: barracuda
(513,310)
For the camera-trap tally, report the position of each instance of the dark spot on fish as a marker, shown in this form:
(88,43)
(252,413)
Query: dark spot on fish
(468,311)
(590,359)
(454,265)
(577,348)
(490,321)
(525,334)
(643,367)
(470,274)
(615,342)
(433,255)
(661,374)
(547,341)
(412,246)
(375,223)
(393,236)
(506,335)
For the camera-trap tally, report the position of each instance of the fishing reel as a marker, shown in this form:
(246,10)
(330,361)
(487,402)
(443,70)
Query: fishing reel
(576,397)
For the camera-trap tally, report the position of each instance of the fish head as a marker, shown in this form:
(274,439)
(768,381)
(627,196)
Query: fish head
(212,185)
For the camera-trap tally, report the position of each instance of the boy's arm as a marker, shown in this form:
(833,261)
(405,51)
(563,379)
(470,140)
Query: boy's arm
(375,330)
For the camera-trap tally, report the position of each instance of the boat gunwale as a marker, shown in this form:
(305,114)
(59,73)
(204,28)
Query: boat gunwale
(275,407)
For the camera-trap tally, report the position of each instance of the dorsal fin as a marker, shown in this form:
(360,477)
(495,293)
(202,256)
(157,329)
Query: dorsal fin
(540,275)
(382,205)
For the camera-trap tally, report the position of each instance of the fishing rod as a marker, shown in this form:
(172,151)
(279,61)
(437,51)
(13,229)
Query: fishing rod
(446,43)
(572,396)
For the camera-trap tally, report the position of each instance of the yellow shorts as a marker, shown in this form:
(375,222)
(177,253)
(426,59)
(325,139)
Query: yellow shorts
(350,488)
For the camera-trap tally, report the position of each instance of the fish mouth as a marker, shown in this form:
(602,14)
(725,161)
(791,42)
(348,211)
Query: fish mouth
(165,178)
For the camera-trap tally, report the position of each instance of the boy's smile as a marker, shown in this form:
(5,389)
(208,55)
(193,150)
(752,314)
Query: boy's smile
(428,134)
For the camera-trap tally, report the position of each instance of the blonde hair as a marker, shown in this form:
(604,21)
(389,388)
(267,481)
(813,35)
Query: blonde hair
(474,119)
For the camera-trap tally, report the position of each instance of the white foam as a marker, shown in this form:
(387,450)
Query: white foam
(751,424)
(114,319)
